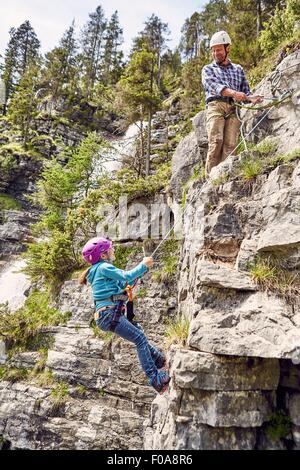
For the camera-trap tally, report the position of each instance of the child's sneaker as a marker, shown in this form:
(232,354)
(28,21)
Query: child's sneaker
(160,362)
(161,381)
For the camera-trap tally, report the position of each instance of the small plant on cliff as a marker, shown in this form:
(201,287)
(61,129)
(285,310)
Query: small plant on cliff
(44,378)
(9,203)
(169,258)
(41,362)
(59,394)
(177,331)
(270,273)
(198,174)
(250,167)
(13,374)
(80,390)
(123,255)
(18,330)
(279,426)
(220,180)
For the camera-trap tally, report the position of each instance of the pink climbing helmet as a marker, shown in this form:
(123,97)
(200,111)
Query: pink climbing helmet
(94,248)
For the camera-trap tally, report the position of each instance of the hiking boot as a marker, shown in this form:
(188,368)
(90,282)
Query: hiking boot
(160,362)
(161,381)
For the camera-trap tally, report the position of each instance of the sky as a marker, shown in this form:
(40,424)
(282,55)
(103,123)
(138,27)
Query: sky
(50,18)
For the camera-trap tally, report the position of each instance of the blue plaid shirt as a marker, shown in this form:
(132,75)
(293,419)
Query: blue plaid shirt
(216,77)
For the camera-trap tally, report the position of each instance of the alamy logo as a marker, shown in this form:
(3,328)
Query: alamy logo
(137,221)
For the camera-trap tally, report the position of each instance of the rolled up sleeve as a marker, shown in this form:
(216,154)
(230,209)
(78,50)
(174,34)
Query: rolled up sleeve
(211,83)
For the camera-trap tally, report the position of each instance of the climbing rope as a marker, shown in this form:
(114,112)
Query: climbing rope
(275,101)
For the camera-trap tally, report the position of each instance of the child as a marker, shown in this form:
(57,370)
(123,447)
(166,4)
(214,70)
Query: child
(108,285)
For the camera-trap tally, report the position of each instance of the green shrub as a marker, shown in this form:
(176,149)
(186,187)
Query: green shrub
(142,292)
(41,363)
(220,180)
(169,257)
(290,157)
(127,183)
(52,260)
(249,168)
(270,274)
(13,374)
(8,164)
(123,255)
(177,331)
(44,378)
(279,426)
(9,203)
(12,148)
(19,329)
(266,147)
(280,26)
(262,160)
(81,390)
(198,174)
(59,394)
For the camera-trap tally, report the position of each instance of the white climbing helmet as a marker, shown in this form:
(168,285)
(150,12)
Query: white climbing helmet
(221,37)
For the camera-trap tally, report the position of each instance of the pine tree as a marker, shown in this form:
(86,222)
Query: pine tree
(9,74)
(153,38)
(61,69)
(112,56)
(171,68)
(28,46)
(246,22)
(92,43)
(192,32)
(138,94)
(214,17)
(22,51)
(23,105)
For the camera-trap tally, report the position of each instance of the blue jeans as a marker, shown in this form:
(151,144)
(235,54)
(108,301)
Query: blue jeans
(147,353)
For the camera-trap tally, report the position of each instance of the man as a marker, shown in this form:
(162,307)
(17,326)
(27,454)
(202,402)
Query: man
(223,82)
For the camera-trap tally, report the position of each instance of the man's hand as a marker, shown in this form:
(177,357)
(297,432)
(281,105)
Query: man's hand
(255,99)
(148,261)
(240,96)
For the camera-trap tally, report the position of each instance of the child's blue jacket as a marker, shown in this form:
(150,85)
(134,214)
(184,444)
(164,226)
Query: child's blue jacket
(107,280)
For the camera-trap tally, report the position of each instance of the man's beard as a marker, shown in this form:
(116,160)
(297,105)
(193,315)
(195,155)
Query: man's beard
(220,61)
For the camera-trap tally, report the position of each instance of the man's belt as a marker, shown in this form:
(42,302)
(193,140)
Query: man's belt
(226,99)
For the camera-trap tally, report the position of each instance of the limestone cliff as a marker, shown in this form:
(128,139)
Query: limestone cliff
(236,383)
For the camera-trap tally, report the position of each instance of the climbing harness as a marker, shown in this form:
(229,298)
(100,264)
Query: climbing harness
(124,303)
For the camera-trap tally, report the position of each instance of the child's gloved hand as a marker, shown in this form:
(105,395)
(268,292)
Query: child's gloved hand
(148,261)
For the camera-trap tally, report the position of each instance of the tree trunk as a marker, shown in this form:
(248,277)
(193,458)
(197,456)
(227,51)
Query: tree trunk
(142,144)
(258,17)
(148,143)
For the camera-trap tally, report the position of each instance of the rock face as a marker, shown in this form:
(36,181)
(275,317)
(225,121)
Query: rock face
(235,383)
(189,155)
(106,396)
(14,231)
(224,399)
(238,376)
(282,121)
